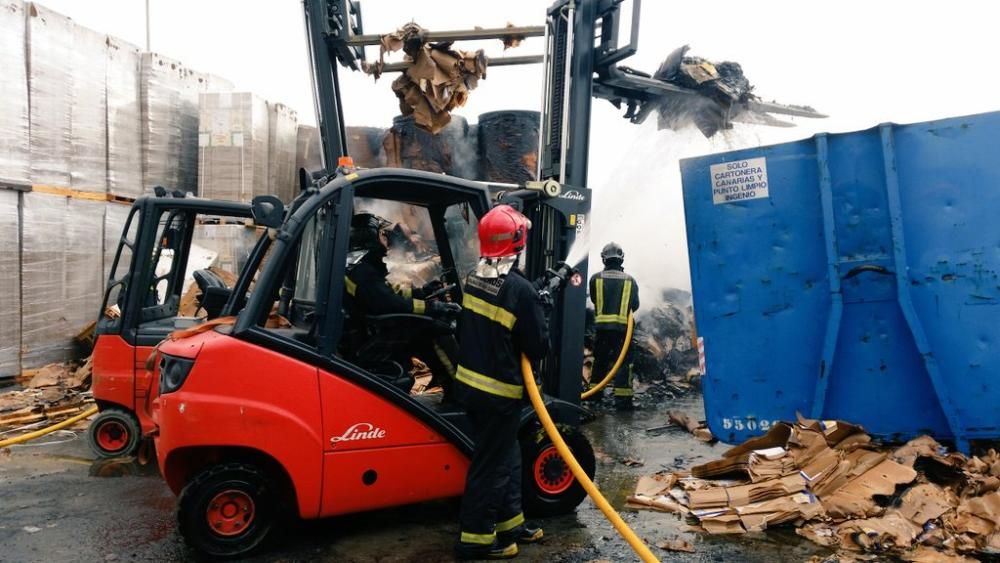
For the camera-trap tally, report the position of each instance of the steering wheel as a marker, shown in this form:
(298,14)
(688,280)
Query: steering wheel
(407,324)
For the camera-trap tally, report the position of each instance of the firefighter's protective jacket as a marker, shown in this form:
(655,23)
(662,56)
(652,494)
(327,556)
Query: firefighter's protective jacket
(501,318)
(368,292)
(613,293)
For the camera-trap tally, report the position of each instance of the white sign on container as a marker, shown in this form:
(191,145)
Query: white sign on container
(739,180)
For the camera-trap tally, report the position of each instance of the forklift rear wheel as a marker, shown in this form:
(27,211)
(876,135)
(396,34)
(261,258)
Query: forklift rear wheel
(227,511)
(114,433)
(548,486)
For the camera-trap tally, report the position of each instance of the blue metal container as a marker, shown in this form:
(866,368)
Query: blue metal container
(852,276)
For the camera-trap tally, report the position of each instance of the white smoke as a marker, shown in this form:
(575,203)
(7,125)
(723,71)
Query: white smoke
(640,206)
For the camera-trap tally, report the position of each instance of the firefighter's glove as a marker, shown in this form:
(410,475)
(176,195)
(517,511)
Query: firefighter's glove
(430,288)
(545,298)
(443,309)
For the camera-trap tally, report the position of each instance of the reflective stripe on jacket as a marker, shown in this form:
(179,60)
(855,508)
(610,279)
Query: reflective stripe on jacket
(614,294)
(501,318)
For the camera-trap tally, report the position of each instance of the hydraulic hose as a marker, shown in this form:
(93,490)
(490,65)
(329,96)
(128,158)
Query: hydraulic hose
(618,363)
(550,428)
(48,430)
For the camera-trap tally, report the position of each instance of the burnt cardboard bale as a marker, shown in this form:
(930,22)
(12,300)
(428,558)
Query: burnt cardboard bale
(232,146)
(61,284)
(124,125)
(508,142)
(15,159)
(282,137)
(364,144)
(50,86)
(10,284)
(308,150)
(168,95)
(451,151)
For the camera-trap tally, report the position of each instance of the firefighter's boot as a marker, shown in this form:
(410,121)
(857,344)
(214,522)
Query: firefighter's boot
(499,549)
(529,532)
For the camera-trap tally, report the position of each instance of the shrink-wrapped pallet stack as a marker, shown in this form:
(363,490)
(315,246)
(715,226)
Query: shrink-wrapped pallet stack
(125,149)
(10,284)
(170,121)
(232,146)
(61,258)
(15,163)
(282,140)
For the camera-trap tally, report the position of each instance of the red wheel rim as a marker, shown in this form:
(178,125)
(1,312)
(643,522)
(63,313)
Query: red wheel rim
(112,436)
(552,475)
(230,513)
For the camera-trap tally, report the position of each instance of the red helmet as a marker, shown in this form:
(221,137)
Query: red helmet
(503,231)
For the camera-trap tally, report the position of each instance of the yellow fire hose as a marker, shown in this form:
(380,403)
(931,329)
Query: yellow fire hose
(550,428)
(48,430)
(618,363)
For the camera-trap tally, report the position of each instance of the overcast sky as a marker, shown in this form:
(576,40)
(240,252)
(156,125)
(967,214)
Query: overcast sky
(861,62)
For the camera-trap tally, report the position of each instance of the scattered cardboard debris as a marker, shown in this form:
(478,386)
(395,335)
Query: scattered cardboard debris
(918,502)
(676,545)
(877,535)
(655,484)
(52,392)
(633,462)
(924,554)
(698,429)
(48,376)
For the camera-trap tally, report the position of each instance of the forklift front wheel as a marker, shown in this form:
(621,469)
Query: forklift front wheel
(548,487)
(114,433)
(227,511)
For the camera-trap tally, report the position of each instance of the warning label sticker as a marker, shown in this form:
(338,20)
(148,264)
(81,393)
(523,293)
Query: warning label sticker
(739,180)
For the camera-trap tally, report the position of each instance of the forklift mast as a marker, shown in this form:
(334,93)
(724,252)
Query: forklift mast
(580,61)
(335,33)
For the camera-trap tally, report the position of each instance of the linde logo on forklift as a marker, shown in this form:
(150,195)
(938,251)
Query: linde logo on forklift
(359,431)
(574,195)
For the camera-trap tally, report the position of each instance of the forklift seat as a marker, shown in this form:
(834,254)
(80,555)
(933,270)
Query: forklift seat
(214,292)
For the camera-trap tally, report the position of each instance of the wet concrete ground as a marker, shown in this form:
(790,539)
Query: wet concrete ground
(54,507)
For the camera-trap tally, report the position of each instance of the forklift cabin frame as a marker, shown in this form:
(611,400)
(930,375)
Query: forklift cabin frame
(123,344)
(195,367)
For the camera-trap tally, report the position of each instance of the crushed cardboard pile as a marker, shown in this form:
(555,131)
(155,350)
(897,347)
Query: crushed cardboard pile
(918,502)
(437,80)
(53,392)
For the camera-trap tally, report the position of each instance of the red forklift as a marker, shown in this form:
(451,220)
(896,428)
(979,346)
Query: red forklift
(140,309)
(253,423)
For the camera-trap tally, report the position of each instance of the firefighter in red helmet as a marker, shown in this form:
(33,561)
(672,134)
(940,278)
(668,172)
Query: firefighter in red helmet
(502,317)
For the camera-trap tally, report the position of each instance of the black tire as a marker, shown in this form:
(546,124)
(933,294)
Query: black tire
(238,490)
(115,432)
(548,489)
